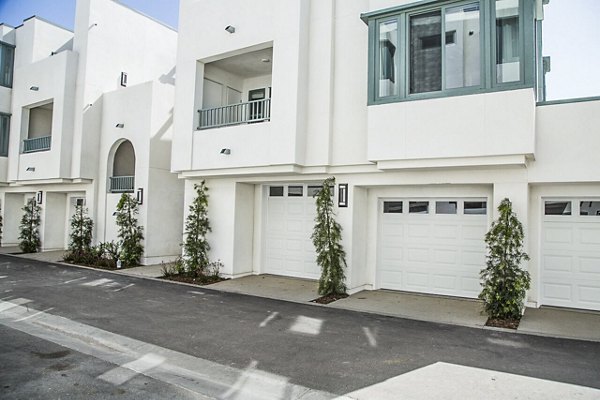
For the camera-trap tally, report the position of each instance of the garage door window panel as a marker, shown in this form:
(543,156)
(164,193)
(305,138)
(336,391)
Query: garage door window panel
(446,207)
(557,208)
(589,208)
(276,191)
(475,207)
(418,207)
(295,191)
(392,207)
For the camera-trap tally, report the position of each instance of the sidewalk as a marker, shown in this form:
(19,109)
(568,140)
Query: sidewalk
(546,321)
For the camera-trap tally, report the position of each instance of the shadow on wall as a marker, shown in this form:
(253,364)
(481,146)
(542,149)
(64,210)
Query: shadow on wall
(168,78)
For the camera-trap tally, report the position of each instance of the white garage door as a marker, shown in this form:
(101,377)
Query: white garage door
(289,225)
(432,245)
(570,247)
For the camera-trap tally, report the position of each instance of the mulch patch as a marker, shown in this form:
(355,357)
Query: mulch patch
(195,280)
(330,298)
(503,323)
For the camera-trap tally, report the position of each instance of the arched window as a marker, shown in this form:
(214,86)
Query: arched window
(123,169)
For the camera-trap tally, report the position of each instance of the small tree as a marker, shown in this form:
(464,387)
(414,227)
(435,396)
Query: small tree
(504,282)
(326,237)
(130,234)
(197,226)
(29,228)
(81,231)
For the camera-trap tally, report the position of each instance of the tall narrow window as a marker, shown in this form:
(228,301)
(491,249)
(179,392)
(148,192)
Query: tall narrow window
(426,52)
(463,46)
(508,59)
(388,43)
(4,131)
(7,55)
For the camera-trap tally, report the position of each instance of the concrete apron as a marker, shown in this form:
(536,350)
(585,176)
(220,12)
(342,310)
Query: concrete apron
(545,321)
(431,308)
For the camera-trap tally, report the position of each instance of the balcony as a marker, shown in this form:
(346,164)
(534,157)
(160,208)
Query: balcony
(37,144)
(121,184)
(235,114)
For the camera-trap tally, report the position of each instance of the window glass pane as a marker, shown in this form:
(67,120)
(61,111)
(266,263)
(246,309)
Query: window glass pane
(4,131)
(557,208)
(589,208)
(463,46)
(388,69)
(312,191)
(446,207)
(426,52)
(418,207)
(475,207)
(6,65)
(275,191)
(295,191)
(508,59)
(392,207)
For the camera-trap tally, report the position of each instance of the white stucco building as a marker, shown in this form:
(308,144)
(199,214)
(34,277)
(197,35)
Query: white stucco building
(90,117)
(430,112)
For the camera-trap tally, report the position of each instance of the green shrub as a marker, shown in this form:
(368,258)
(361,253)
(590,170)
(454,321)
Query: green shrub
(197,226)
(327,237)
(29,228)
(130,234)
(504,283)
(80,237)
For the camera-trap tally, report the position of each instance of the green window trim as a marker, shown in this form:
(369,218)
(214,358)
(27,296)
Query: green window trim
(488,52)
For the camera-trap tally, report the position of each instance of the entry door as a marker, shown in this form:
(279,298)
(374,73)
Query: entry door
(257,108)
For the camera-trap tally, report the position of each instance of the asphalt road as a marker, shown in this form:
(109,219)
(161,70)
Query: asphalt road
(331,350)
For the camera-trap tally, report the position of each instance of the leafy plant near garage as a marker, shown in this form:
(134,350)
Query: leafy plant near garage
(327,237)
(197,226)
(504,281)
(130,234)
(80,237)
(29,228)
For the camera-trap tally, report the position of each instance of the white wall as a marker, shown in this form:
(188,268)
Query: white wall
(36,39)
(54,76)
(111,39)
(568,143)
(491,124)
(132,107)
(282,25)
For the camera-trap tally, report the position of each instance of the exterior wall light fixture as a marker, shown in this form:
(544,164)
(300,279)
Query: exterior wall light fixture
(39,196)
(226,151)
(120,126)
(34,88)
(139,196)
(230,28)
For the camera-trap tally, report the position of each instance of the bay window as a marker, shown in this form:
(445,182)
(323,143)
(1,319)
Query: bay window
(441,48)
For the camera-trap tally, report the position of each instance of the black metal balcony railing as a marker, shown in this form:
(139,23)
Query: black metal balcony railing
(235,114)
(37,144)
(121,184)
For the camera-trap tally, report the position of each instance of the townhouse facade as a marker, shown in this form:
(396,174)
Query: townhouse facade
(86,116)
(428,113)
